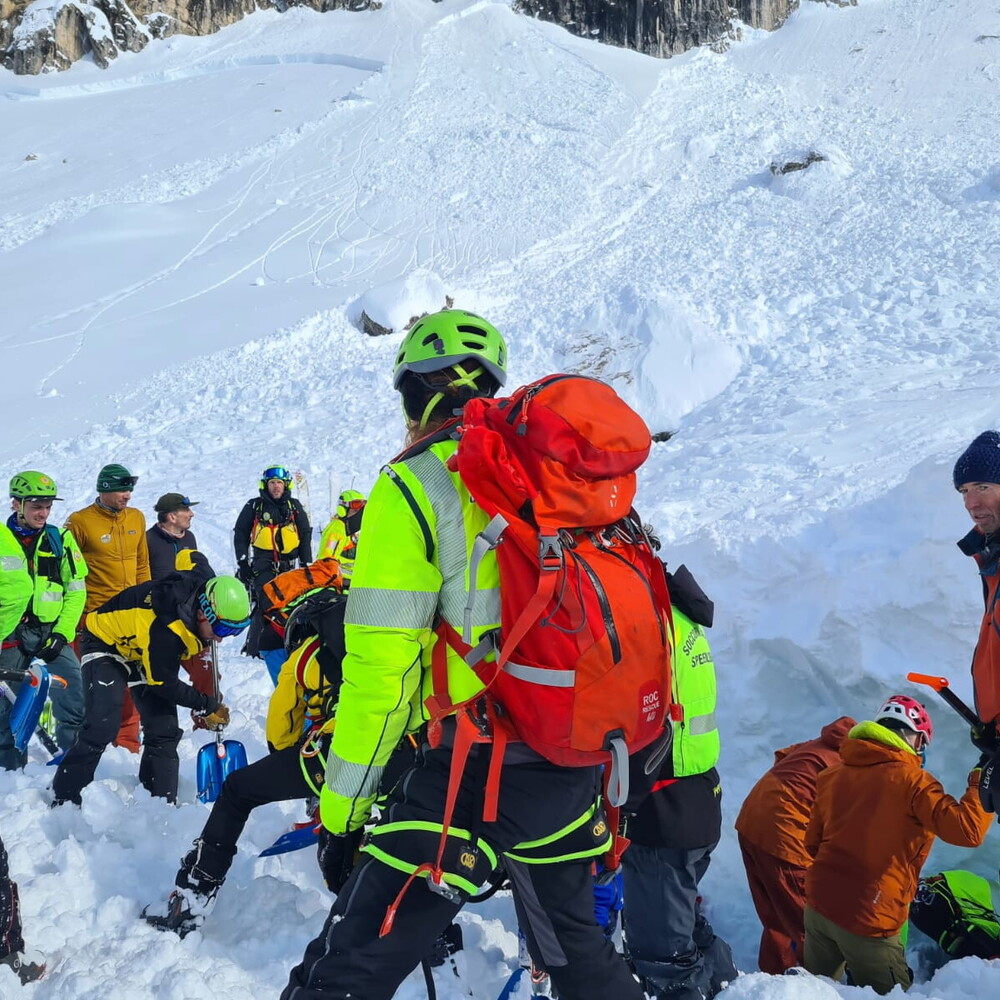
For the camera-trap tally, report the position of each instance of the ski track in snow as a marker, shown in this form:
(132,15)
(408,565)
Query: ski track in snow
(205,220)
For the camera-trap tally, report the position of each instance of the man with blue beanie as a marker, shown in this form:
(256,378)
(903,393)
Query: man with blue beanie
(977,478)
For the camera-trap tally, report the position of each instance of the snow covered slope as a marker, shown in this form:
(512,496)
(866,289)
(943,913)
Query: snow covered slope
(186,241)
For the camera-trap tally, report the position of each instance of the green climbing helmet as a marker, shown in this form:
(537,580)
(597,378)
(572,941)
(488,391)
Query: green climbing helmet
(31,485)
(226,605)
(276,472)
(445,339)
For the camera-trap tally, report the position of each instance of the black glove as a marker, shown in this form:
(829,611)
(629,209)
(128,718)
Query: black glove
(984,737)
(243,572)
(336,856)
(989,775)
(53,646)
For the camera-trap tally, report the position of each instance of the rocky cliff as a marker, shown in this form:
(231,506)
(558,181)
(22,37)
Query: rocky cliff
(41,35)
(664,27)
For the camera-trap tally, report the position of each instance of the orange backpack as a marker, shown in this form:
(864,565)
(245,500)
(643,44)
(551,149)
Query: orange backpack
(582,668)
(286,590)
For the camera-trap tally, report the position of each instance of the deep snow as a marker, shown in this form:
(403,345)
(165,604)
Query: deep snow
(185,256)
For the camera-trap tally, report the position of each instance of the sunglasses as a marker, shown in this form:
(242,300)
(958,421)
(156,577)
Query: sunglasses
(352,504)
(221,627)
(277,472)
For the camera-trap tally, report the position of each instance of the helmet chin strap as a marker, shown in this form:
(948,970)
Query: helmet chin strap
(465,380)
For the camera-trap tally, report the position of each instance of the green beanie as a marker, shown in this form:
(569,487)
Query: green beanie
(115,479)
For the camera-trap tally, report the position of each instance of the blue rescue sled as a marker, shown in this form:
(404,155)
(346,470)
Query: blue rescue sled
(216,761)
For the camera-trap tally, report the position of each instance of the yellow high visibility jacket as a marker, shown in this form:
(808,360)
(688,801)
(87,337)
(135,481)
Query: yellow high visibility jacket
(15,582)
(412,565)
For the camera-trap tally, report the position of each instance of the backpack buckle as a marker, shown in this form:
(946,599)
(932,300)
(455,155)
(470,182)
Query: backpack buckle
(550,552)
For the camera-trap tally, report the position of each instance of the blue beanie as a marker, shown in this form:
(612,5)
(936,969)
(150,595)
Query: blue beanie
(980,462)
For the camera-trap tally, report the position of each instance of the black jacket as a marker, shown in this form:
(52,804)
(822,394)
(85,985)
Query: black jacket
(152,627)
(284,511)
(163,549)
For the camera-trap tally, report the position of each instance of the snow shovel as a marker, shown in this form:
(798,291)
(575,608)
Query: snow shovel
(301,835)
(29,702)
(216,761)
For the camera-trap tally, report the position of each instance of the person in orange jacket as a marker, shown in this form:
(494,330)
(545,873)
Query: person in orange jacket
(977,479)
(771,828)
(872,827)
(112,537)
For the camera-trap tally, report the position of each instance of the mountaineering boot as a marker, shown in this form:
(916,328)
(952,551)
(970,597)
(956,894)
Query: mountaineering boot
(27,972)
(198,881)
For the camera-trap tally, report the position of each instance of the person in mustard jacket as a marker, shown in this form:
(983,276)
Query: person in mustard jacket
(771,829)
(872,827)
(137,640)
(112,538)
(412,567)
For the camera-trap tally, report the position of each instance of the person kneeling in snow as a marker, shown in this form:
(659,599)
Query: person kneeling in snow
(137,640)
(871,829)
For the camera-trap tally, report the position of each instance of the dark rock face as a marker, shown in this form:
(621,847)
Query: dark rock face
(34,40)
(767,14)
(657,27)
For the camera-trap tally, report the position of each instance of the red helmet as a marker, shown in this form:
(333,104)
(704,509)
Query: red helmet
(910,712)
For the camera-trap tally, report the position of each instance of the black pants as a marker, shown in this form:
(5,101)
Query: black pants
(260,635)
(11,941)
(349,959)
(104,684)
(275,778)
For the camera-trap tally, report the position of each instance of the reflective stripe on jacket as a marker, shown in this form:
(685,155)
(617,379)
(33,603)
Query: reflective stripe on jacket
(696,737)
(409,569)
(15,582)
(59,590)
(336,543)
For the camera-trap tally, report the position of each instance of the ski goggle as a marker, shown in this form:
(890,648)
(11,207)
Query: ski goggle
(221,627)
(352,504)
(277,472)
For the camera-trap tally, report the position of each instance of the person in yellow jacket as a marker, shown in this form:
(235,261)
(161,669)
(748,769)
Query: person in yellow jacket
(15,583)
(411,568)
(137,640)
(299,722)
(112,538)
(48,628)
(340,537)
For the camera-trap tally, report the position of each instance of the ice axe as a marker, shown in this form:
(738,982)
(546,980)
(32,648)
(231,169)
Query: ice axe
(980,736)
(940,684)
(216,761)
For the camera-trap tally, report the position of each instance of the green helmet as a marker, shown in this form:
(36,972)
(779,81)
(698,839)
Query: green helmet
(31,485)
(348,501)
(228,599)
(445,339)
